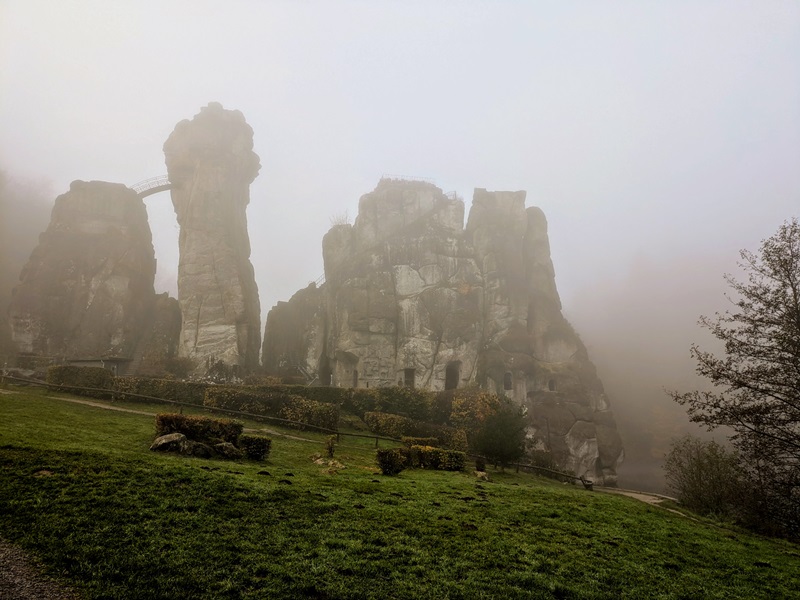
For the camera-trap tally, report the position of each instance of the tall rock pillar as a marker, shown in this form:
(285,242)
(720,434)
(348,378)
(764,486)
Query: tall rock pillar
(211,163)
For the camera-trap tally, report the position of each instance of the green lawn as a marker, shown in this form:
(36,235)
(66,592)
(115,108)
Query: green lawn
(80,489)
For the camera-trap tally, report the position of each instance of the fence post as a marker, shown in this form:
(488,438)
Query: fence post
(376,441)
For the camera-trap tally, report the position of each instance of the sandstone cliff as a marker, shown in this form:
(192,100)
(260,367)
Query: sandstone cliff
(412,297)
(88,287)
(211,163)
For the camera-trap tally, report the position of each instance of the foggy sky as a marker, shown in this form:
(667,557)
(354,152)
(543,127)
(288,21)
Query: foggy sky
(658,138)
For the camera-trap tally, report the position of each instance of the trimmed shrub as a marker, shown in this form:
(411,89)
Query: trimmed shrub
(407,402)
(256,447)
(198,428)
(427,457)
(389,425)
(397,426)
(452,460)
(97,378)
(420,441)
(360,401)
(309,412)
(261,380)
(324,394)
(189,392)
(255,400)
(274,401)
(391,460)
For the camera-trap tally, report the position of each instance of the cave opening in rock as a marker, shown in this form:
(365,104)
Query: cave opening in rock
(508,381)
(452,374)
(409,376)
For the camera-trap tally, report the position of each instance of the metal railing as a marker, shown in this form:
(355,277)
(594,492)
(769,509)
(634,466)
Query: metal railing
(408,178)
(152,185)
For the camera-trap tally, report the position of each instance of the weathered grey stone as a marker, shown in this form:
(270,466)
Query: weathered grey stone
(409,289)
(228,450)
(172,442)
(211,163)
(197,449)
(158,347)
(87,290)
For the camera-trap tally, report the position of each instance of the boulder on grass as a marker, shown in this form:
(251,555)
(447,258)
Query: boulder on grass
(172,442)
(197,449)
(228,450)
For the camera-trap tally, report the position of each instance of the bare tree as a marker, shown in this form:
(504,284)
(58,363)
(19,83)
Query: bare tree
(757,381)
(705,476)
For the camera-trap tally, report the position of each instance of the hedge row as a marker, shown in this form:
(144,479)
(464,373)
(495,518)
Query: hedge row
(392,461)
(198,428)
(274,401)
(224,435)
(427,457)
(310,412)
(413,403)
(420,441)
(397,426)
(190,392)
(246,399)
(83,377)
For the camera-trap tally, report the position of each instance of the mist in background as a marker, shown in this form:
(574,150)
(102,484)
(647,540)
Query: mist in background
(659,139)
(25,207)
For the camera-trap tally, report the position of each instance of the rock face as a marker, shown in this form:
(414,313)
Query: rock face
(412,297)
(87,290)
(158,347)
(211,163)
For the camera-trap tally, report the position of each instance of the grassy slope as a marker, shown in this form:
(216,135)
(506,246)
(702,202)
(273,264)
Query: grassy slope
(79,488)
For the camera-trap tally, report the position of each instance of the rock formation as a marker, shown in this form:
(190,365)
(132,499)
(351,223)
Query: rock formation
(88,287)
(412,297)
(157,353)
(211,163)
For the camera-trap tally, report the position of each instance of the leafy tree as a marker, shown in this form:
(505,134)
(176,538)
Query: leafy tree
(757,381)
(705,476)
(471,407)
(501,437)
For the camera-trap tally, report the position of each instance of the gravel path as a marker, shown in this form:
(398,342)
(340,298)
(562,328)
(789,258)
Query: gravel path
(21,578)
